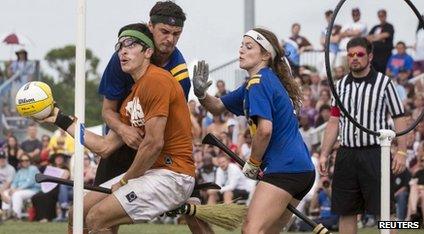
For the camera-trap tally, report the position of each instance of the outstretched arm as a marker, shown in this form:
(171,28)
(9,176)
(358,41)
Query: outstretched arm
(201,85)
(101,145)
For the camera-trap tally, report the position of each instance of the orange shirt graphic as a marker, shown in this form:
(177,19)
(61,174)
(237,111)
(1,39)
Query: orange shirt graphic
(158,94)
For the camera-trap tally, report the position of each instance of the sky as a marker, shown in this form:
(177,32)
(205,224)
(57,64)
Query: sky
(212,32)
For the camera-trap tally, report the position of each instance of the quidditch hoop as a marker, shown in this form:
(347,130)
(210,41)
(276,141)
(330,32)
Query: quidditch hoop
(330,78)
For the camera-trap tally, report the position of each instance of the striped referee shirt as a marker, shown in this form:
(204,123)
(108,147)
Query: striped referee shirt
(368,100)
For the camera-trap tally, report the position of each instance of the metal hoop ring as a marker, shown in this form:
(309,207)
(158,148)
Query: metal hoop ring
(330,78)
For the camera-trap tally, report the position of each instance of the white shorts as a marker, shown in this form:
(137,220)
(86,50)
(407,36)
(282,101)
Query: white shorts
(154,193)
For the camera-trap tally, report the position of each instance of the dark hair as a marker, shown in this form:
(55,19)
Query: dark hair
(324,107)
(360,41)
(282,69)
(14,148)
(141,27)
(382,11)
(168,8)
(295,24)
(328,13)
(401,43)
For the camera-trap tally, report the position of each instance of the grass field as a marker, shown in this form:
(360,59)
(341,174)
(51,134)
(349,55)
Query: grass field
(18,227)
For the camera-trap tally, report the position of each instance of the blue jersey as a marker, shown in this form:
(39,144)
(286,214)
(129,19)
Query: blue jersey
(264,96)
(116,84)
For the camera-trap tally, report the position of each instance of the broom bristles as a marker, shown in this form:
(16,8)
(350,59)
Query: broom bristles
(227,216)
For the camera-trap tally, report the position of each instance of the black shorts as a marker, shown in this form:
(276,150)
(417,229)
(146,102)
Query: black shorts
(117,163)
(356,181)
(297,184)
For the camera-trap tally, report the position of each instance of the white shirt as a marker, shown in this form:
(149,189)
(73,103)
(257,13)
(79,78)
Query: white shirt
(6,174)
(231,179)
(352,27)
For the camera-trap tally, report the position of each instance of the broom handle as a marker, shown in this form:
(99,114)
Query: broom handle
(212,140)
(39,178)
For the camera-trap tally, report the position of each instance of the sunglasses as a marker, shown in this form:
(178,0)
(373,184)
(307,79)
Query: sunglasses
(358,54)
(127,43)
(24,160)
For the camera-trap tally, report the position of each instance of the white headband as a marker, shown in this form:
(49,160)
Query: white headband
(261,40)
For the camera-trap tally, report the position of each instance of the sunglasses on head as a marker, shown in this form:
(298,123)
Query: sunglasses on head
(129,42)
(358,54)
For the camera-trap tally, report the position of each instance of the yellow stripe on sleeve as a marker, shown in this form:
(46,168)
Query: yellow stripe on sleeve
(181,76)
(178,68)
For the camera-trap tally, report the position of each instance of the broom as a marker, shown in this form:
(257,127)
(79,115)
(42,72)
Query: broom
(227,216)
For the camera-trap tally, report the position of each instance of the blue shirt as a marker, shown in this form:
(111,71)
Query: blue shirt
(398,61)
(324,202)
(264,96)
(25,179)
(292,52)
(116,84)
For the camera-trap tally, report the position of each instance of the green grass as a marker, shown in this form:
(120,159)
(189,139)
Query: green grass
(18,227)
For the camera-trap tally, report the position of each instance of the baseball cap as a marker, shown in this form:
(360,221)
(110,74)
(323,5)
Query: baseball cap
(2,154)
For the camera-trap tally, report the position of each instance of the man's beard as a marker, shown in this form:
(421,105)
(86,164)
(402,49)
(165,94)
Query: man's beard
(359,69)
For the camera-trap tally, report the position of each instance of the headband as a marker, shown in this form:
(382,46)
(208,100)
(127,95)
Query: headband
(173,21)
(138,35)
(261,40)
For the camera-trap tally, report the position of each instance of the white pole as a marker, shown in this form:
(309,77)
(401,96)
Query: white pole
(80,114)
(386,137)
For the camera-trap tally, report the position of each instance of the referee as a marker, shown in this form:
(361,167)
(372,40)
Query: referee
(368,96)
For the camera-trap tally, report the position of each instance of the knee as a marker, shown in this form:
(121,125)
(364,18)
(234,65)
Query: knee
(94,219)
(91,221)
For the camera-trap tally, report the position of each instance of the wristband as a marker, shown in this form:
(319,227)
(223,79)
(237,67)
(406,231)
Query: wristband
(122,182)
(401,152)
(254,161)
(63,121)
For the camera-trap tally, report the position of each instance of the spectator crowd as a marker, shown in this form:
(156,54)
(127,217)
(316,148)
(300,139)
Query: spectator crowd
(20,161)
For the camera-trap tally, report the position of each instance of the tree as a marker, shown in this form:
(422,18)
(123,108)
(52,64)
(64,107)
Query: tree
(62,61)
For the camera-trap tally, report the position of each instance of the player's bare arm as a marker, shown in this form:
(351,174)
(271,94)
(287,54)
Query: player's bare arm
(130,135)
(101,145)
(149,149)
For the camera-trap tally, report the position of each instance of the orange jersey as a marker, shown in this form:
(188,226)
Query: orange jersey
(158,94)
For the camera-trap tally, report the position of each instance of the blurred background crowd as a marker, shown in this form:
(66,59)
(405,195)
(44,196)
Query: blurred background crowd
(22,155)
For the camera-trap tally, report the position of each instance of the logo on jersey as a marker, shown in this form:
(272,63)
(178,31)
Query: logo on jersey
(134,110)
(131,196)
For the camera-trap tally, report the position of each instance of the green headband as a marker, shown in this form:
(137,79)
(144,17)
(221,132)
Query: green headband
(173,21)
(138,35)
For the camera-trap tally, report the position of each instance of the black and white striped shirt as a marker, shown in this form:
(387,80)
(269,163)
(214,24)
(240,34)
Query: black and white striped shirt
(368,100)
